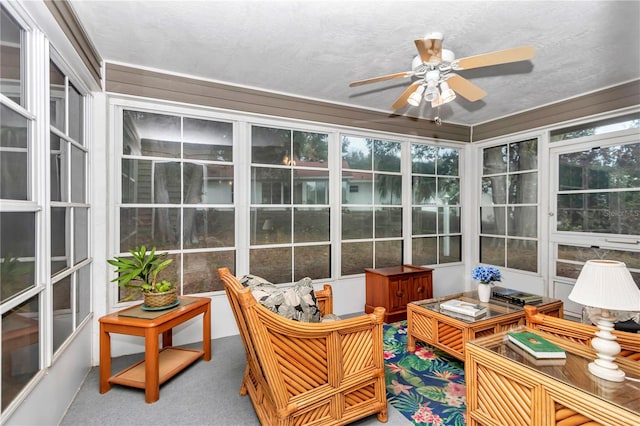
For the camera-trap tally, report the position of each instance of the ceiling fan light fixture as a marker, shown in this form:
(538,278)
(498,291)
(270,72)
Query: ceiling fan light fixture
(431,92)
(446,94)
(415,98)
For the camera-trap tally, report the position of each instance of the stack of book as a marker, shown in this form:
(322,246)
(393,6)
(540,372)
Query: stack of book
(537,346)
(462,307)
(515,296)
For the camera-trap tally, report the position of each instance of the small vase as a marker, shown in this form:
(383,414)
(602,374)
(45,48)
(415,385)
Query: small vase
(484,292)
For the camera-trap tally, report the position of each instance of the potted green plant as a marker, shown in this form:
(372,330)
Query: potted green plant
(140,273)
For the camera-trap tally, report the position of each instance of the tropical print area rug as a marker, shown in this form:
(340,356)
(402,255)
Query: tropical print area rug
(427,387)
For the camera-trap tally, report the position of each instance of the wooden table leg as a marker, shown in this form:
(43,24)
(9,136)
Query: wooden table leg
(105,360)
(167,338)
(151,366)
(206,333)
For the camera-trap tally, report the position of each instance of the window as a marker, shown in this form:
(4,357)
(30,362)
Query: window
(435,205)
(371,204)
(289,217)
(630,121)
(509,206)
(177,194)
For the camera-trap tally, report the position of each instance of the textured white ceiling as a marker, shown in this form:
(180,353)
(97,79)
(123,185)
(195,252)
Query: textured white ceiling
(314,49)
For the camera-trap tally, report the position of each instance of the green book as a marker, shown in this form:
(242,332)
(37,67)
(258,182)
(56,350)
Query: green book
(536,345)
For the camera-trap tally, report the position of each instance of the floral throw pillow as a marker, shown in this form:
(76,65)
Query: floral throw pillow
(297,302)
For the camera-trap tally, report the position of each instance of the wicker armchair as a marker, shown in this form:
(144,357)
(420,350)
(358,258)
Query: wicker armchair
(582,333)
(328,373)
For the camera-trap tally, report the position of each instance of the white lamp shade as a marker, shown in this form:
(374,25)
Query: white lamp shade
(606,284)
(416,97)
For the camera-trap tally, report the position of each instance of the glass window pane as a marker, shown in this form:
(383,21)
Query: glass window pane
(601,212)
(448,161)
(523,188)
(310,187)
(20,348)
(270,185)
(450,249)
(423,190)
(62,312)
(273,264)
(523,155)
(600,127)
(148,134)
(81,234)
(582,254)
(423,159)
(208,140)
(448,220)
(388,189)
(357,223)
(270,226)
(356,257)
(357,153)
(522,221)
(311,225)
(201,271)
(386,156)
(313,262)
(492,251)
(522,254)
(423,220)
(151,181)
(388,222)
(14,155)
(494,190)
(158,227)
(311,149)
(17,252)
(57,97)
(270,146)
(425,251)
(492,220)
(388,253)
(83,294)
(219,185)
(76,115)
(78,175)
(59,232)
(58,154)
(448,191)
(494,160)
(11,53)
(208,227)
(356,187)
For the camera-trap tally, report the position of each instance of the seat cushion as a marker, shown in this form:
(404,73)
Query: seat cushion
(297,302)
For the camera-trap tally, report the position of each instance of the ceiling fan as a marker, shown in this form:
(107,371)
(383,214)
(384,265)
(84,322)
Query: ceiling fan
(433,71)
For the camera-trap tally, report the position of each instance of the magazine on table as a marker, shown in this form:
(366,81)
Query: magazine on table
(515,296)
(462,307)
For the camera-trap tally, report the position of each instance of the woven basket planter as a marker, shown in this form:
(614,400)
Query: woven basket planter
(158,300)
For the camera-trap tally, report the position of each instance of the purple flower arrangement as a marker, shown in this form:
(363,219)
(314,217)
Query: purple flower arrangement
(486,274)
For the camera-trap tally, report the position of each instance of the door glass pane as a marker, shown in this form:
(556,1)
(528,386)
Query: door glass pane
(311,149)
(20,348)
(311,225)
(17,252)
(11,54)
(208,140)
(356,257)
(357,153)
(14,155)
(57,97)
(76,115)
(600,212)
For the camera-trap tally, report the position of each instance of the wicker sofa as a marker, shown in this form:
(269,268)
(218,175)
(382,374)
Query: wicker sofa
(582,333)
(327,373)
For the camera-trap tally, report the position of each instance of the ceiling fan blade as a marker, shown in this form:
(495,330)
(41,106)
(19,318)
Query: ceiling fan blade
(516,54)
(465,88)
(402,100)
(430,50)
(381,78)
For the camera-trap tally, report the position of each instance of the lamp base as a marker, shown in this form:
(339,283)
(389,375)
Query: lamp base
(614,375)
(606,348)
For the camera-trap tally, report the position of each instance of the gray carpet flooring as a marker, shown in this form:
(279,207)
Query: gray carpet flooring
(206,393)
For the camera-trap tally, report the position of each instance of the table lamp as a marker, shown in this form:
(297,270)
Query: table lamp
(606,284)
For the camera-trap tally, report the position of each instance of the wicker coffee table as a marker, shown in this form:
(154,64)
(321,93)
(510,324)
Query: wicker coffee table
(450,331)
